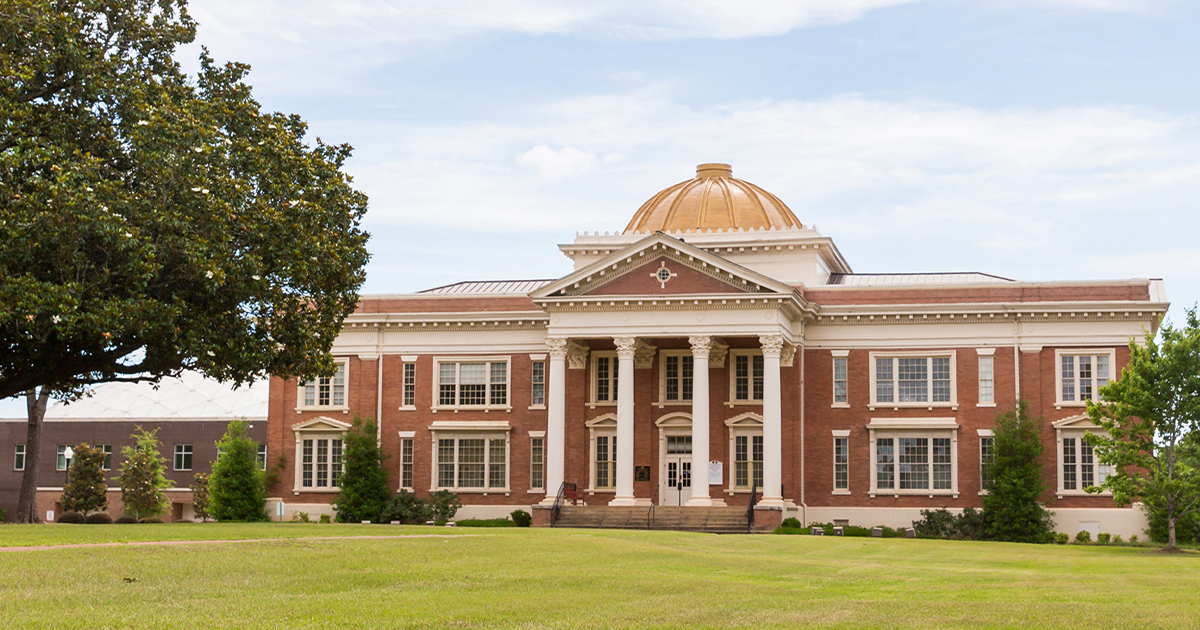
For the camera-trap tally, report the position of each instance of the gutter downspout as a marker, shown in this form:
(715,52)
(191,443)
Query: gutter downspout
(379,387)
(803,446)
(1017,355)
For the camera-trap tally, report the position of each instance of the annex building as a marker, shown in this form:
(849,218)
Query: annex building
(715,347)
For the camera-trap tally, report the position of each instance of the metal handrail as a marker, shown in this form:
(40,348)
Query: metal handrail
(650,522)
(558,501)
(750,508)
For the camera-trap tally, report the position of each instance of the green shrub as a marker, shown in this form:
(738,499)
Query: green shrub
(324,518)
(1133,540)
(521,518)
(125,520)
(847,530)
(407,508)
(1084,537)
(970,524)
(99,518)
(150,519)
(486,522)
(142,480)
(444,505)
(87,488)
(364,482)
(1117,540)
(237,490)
(3,516)
(74,518)
(1103,538)
(300,517)
(792,522)
(1187,528)
(201,500)
(1061,538)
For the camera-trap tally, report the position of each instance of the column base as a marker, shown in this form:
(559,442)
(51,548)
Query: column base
(623,502)
(699,502)
(549,500)
(776,502)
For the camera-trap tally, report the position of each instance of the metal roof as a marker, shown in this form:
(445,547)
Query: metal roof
(490,287)
(909,279)
(191,396)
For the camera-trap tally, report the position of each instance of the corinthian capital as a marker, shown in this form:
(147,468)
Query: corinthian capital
(701,347)
(626,346)
(558,347)
(772,345)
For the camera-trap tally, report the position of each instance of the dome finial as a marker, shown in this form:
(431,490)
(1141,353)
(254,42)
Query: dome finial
(713,169)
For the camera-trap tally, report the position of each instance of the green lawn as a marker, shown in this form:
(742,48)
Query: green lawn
(534,578)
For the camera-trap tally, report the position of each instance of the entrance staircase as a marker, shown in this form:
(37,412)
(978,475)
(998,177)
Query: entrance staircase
(713,520)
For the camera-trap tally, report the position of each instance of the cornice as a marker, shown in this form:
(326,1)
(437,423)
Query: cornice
(513,320)
(708,301)
(990,312)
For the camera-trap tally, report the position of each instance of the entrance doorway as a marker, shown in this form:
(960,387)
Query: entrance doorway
(676,485)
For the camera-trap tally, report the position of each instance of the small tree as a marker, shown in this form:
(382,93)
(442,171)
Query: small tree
(238,488)
(364,480)
(1012,508)
(87,488)
(142,479)
(200,496)
(1151,415)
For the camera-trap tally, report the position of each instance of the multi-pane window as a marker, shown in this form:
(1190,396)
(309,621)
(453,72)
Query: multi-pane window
(841,463)
(1080,468)
(260,456)
(473,384)
(913,463)
(606,378)
(326,391)
(987,455)
(107,448)
(537,463)
(747,461)
(183,457)
(839,380)
(409,385)
(19,457)
(320,462)
(472,463)
(60,463)
(406,462)
(677,379)
(747,377)
(1082,376)
(986,379)
(913,380)
(606,462)
(537,385)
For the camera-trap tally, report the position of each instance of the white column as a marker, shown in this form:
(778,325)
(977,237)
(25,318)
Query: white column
(556,425)
(700,349)
(625,350)
(772,345)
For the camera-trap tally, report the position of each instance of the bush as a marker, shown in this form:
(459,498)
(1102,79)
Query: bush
(1061,538)
(3,516)
(300,517)
(792,522)
(237,490)
(970,524)
(87,486)
(74,518)
(1133,540)
(406,507)
(444,505)
(364,482)
(486,522)
(1084,537)
(125,520)
(142,479)
(150,519)
(201,501)
(1103,538)
(1187,528)
(1117,540)
(99,518)
(522,518)
(847,530)
(324,518)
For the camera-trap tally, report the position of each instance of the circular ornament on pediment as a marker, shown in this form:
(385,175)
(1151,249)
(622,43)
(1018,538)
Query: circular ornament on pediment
(624,318)
(556,318)
(699,317)
(768,314)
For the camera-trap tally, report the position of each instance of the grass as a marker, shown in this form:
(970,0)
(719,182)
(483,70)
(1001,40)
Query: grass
(533,578)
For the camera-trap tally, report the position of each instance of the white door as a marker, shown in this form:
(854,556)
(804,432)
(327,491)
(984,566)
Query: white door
(676,487)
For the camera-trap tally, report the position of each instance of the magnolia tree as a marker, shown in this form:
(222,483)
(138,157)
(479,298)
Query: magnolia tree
(1151,416)
(87,489)
(155,222)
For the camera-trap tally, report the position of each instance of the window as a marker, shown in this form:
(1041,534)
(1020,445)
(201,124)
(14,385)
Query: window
(19,457)
(473,383)
(747,375)
(107,448)
(839,380)
(1080,376)
(183,457)
(914,456)
(1080,468)
(409,385)
(260,456)
(676,374)
(748,462)
(325,391)
(537,384)
(406,462)
(472,463)
(537,463)
(841,463)
(61,462)
(604,379)
(987,379)
(987,454)
(913,380)
(606,462)
(320,462)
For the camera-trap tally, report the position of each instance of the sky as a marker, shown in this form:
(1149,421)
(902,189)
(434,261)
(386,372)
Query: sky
(1032,139)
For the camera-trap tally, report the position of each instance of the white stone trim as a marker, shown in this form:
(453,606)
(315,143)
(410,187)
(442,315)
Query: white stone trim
(482,429)
(613,367)
(749,424)
(344,407)
(487,360)
(744,352)
(1059,353)
(602,425)
(913,427)
(896,404)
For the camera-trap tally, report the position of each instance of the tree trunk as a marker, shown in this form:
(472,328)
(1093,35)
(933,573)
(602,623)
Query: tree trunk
(1171,532)
(35,404)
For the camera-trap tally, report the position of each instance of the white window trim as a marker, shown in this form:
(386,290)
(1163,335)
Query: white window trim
(662,379)
(1075,427)
(952,404)
(840,434)
(23,453)
(407,435)
(613,367)
(984,433)
(1075,352)
(316,429)
(537,435)
(748,424)
(750,352)
(845,356)
(991,353)
(487,360)
(919,428)
(605,425)
(486,430)
(675,424)
(175,457)
(344,408)
(107,449)
(405,361)
(59,449)
(535,358)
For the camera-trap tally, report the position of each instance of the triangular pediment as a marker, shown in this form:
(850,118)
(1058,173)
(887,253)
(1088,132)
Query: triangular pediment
(1081,421)
(689,270)
(321,425)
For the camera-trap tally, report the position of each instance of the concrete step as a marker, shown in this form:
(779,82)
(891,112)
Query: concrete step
(721,520)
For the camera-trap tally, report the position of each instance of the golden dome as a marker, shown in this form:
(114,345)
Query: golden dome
(714,200)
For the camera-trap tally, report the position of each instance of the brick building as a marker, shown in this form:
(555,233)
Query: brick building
(716,346)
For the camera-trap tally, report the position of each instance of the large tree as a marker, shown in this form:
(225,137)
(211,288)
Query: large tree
(151,221)
(1150,417)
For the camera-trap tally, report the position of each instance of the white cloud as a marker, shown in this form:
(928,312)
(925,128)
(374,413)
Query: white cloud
(555,165)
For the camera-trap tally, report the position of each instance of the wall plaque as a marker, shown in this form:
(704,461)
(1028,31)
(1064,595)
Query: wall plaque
(641,473)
